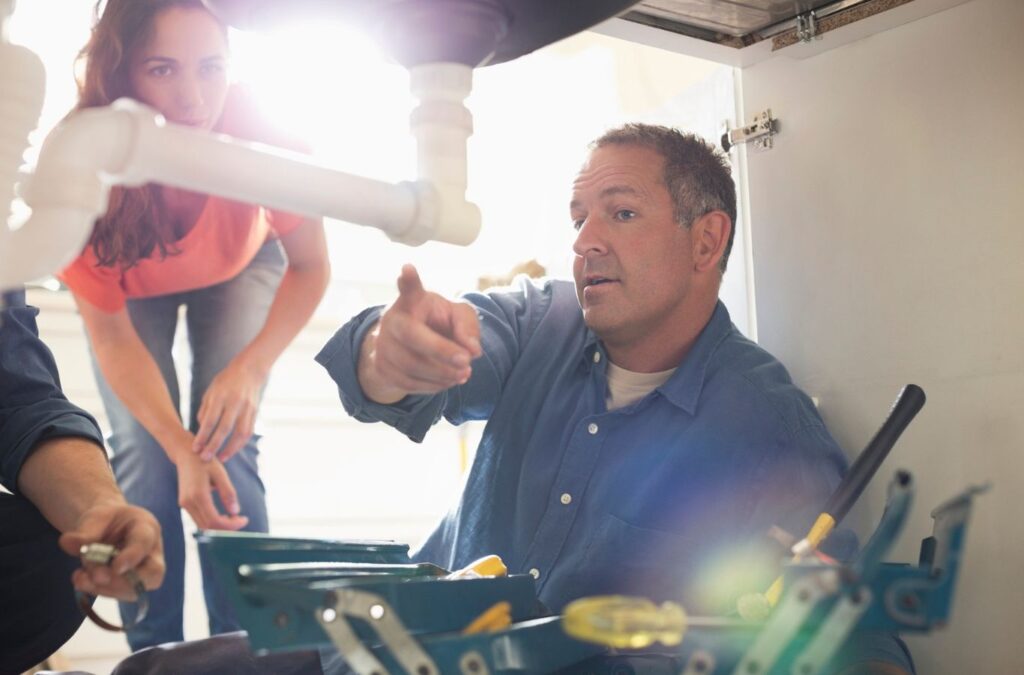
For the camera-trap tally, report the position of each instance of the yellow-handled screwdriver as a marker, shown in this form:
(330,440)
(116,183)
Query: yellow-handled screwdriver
(624,622)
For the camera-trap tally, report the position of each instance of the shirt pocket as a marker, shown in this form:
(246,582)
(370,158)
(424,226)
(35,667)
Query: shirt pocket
(623,558)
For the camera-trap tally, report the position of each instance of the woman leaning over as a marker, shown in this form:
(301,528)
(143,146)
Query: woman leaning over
(247,278)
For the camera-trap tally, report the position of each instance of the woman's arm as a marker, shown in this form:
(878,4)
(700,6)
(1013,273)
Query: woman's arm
(136,380)
(230,403)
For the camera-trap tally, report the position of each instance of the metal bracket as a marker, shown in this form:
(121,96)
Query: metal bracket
(356,655)
(807,27)
(785,623)
(701,661)
(833,631)
(473,663)
(374,610)
(761,131)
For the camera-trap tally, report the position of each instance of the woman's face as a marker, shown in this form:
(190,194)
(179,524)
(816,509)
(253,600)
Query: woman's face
(182,70)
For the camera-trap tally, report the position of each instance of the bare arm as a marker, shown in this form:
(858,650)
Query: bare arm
(69,481)
(301,290)
(231,401)
(65,476)
(135,377)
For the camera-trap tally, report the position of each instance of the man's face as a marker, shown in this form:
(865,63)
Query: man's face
(633,261)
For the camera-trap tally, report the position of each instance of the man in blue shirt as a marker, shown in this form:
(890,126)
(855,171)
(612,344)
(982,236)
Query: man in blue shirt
(52,460)
(636,442)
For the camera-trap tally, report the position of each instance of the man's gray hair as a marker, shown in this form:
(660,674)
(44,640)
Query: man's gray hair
(696,174)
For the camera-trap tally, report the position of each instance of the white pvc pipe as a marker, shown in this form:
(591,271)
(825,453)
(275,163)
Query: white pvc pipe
(128,143)
(6,10)
(22,83)
(67,193)
(186,158)
(442,125)
(56,236)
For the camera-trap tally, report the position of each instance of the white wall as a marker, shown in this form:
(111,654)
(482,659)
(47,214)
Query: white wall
(887,249)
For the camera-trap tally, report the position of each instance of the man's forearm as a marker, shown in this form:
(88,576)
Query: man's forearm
(65,476)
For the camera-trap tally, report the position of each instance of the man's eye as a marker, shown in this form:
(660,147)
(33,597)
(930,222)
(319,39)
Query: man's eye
(577,223)
(625,214)
(160,71)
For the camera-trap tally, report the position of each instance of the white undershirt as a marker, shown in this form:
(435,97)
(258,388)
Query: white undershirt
(626,387)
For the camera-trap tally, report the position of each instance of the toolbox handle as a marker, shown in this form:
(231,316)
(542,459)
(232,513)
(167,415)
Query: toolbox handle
(907,405)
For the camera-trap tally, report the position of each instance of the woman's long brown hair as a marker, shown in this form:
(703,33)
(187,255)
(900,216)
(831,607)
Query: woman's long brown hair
(136,221)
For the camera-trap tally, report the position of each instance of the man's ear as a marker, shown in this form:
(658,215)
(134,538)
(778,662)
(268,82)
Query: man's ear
(710,235)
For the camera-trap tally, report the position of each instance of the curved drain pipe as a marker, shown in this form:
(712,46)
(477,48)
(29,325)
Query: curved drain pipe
(129,144)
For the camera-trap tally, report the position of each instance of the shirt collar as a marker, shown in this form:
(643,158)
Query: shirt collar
(684,387)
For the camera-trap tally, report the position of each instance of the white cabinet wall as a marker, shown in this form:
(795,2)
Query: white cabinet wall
(886,250)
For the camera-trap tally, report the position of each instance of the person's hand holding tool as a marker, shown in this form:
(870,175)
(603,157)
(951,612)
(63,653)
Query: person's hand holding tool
(122,556)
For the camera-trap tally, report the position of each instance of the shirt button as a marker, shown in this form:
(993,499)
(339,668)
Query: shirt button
(566,498)
(535,573)
(592,428)
(597,357)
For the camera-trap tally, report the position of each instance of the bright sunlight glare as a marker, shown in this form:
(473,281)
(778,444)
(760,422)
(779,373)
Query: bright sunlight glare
(328,85)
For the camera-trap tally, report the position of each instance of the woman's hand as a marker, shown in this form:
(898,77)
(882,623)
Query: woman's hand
(196,479)
(228,410)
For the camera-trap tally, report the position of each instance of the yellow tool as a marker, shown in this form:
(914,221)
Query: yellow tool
(623,622)
(496,617)
(488,566)
(499,615)
(757,606)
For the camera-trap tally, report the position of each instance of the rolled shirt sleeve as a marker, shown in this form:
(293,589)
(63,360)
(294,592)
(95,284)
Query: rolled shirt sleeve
(507,321)
(32,407)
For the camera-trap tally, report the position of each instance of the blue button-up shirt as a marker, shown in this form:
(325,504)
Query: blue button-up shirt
(32,407)
(669,498)
(642,499)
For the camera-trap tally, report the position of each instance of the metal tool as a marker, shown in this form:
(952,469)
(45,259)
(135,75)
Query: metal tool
(909,402)
(104,554)
(385,613)
(823,604)
(301,605)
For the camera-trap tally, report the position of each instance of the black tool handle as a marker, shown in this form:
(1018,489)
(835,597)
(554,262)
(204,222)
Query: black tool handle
(906,407)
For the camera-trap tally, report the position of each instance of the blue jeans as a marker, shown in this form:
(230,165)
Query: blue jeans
(221,320)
